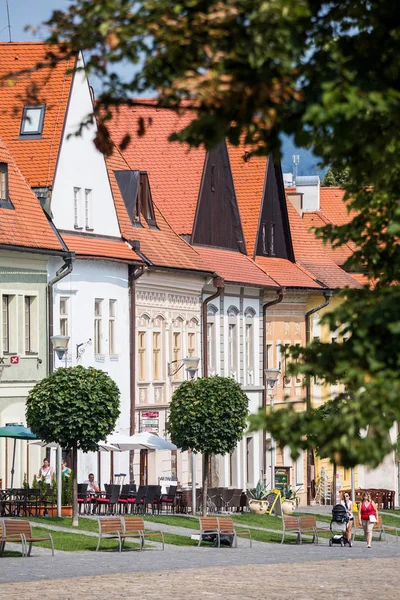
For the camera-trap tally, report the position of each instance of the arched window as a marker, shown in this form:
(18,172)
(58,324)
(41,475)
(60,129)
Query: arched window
(233,346)
(142,344)
(211,339)
(249,314)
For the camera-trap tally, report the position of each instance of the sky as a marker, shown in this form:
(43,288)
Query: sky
(35,12)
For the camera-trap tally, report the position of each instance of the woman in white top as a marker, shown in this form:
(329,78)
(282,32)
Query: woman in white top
(46,471)
(348,504)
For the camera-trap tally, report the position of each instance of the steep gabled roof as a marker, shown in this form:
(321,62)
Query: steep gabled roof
(286,273)
(35,157)
(311,254)
(161,245)
(24,224)
(249,179)
(174,170)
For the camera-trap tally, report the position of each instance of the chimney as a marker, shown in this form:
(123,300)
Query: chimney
(309,186)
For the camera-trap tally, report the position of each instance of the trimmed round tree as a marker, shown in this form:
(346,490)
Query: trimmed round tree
(76,407)
(208,416)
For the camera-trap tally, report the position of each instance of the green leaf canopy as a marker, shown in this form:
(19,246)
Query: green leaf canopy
(76,406)
(208,415)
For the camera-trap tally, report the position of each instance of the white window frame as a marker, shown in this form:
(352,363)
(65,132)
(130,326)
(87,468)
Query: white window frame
(142,355)
(233,342)
(64,317)
(211,339)
(10,316)
(98,327)
(77,208)
(88,209)
(112,327)
(157,355)
(30,301)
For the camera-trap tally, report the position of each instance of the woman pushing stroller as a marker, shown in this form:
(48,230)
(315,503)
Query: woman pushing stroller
(348,504)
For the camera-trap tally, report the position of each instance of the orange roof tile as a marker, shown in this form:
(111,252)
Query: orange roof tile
(317,219)
(162,246)
(36,158)
(26,225)
(174,170)
(235,267)
(311,254)
(100,248)
(333,205)
(286,273)
(248,177)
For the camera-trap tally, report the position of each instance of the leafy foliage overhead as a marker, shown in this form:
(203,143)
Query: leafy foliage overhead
(76,406)
(208,415)
(327,73)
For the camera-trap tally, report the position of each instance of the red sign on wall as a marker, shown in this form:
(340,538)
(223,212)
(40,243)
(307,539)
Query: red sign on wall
(150,414)
(14,360)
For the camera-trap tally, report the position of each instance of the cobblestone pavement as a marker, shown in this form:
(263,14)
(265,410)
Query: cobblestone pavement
(358,579)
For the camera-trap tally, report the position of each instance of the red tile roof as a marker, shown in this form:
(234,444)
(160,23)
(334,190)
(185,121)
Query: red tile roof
(318,219)
(174,170)
(162,246)
(311,254)
(248,177)
(27,225)
(286,273)
(333,205)
(36,158)
(235,267)
(100,248)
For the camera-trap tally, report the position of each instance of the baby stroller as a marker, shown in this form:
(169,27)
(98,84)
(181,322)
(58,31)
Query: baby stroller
(340,517)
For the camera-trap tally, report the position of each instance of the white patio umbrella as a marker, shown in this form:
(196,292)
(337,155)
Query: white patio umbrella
(139,441)
(102,446)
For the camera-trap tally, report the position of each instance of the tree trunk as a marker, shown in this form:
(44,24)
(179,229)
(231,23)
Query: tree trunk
(75,486)
(205,483)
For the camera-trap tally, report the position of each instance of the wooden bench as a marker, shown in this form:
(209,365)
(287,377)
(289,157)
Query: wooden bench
(291,525)
(121,528)
(227,527)
(135,527)
(20,530)
(111,528)
(209,526)
(308,523)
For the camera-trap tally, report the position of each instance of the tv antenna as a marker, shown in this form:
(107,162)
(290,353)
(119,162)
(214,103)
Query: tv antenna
(8,22)
(295,160)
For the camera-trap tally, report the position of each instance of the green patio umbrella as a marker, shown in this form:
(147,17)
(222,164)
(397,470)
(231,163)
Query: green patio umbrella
(17,432)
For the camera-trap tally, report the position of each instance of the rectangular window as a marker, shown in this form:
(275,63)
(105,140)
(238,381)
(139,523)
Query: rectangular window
(249,345)
(29,324)
(88,210)
(142,355)
(177,352)
(111,327)
(97,326)
(32,121)
(156,355)
(3,182)
(269,356)
(210,347)
(268,239)
(6,301)
(232,345)
(249,459)
(77,202)
(191,344)
(64,305)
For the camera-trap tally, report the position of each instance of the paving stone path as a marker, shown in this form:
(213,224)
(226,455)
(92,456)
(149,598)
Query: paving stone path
(327,580)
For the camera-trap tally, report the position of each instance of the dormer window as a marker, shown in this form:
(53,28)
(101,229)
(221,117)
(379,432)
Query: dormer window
(5,201)
(135,189)
(32,122)
(268,239)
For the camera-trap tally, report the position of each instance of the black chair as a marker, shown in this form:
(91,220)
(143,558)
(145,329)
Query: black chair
(152,497)
(227,496)
(82,497)
(123,500)
(110,500)
(168,499)
(137,505)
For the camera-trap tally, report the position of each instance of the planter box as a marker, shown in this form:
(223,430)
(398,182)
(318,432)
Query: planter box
(51,511)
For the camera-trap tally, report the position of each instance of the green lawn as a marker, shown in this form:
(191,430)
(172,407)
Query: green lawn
(75,542)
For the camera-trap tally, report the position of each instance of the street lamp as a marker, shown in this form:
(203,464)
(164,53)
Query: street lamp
(271,379)
(60,346)
(192,365)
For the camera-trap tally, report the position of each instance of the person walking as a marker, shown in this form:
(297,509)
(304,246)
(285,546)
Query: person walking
(367,516)
(348,504)
(46,471)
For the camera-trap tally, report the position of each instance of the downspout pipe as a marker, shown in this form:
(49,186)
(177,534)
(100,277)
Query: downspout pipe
(218,283)
(327,295)
(134,273)
(266,306)
(62,272)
